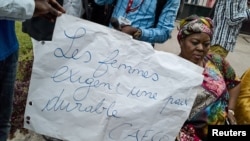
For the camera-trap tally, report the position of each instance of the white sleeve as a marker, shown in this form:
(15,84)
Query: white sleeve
(17,9)
(73,7)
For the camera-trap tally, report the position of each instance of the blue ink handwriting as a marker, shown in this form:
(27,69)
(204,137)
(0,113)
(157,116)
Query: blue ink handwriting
(58,104)
(137,134)
(174,101)
(112,62)
(142,93)
(70,53)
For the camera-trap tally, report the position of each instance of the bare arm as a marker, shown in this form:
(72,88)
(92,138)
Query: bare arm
(233,95)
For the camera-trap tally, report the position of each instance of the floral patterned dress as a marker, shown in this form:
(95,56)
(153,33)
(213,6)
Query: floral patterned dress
(210,106)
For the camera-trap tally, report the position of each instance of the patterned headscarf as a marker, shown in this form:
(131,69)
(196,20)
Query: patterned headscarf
(195,24)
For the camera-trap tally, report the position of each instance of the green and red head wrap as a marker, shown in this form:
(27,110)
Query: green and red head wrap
(195,24)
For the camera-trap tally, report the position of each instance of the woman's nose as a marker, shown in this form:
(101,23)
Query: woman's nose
(200,47)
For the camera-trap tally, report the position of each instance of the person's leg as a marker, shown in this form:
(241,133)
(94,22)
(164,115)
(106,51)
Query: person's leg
(216,49)
(7,77)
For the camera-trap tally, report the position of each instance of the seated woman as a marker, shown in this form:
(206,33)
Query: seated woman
(216,98)
(242,110)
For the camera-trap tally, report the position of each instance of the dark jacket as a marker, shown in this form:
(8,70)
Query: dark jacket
(39,28)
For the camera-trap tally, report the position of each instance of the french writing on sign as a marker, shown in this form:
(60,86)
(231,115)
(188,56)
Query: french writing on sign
(95,83)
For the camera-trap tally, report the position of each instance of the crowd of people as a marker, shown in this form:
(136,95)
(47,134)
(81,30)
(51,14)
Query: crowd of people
(202,40)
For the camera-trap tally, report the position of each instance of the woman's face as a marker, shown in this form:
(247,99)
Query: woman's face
(195,47)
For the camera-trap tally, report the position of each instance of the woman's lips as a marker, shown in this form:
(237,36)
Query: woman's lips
(197,56)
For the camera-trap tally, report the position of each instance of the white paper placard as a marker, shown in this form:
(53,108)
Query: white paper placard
(93,83)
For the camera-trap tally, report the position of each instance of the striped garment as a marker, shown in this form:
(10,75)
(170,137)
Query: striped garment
(228,18)
(143,17)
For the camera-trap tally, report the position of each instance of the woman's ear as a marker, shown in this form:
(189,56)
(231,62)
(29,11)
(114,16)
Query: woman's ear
(181,42)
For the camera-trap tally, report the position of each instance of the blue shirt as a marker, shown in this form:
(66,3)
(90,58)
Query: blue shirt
(9,11)
(8,40)
(144,17)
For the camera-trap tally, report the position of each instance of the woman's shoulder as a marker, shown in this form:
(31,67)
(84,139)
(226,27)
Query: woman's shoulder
(213,56)
(216,59)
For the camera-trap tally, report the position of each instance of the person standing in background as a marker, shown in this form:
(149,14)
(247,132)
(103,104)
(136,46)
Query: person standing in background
(138,18)
(9,12)
(39,28)
(228,18)
(100,14)
(74,7)
(242,108)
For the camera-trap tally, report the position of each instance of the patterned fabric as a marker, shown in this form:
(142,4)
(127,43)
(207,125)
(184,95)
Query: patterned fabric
(228,18)
(217,49)
(143,17)
(242,110)
(195,24)
(211,102)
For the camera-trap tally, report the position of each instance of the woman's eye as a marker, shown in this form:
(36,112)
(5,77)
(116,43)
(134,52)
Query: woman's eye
(195,43)
(207,45)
